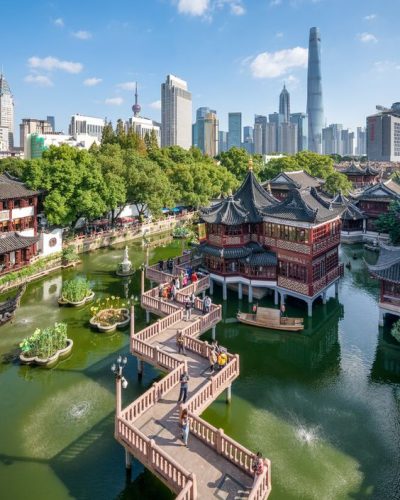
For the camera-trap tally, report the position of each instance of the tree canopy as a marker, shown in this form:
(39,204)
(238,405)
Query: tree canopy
(390,222)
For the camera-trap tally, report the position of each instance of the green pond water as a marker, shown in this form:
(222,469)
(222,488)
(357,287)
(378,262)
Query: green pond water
(323,405)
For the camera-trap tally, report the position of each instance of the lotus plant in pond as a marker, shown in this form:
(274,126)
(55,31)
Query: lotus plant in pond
(110,313)
(76,292)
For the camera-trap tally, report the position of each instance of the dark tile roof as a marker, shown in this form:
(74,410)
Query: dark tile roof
(298,179)
(303,206)
(384,191)
(353,169)
(10,242)
(253,197)
(351,211)
(387,266)
(10,187)
(229,212)
(243,206)
(371,170)
(253,254)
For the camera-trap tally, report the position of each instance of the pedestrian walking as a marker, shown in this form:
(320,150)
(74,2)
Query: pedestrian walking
(222,359)
(180,340)
(181,276)
(160,292)
(177,284)
(161,265)
(194,277)
(173,292)
(184,381)
(212,358)
(206,304)
(185,423)
(188,308)
(185,280)
(193,299)
(258,466)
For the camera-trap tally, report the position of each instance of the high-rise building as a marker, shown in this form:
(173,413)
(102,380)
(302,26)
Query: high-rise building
(176,113)
(52,121)
(315,110)
(332,139)
(259,137)
(287,138)
(271,138)
(211,135)
(347,143)
(300,119)
(383,134)
(86,125)
(361,148)
(33,126)
(222,141)
(7,109)
(284,104)
(198,127)
(141,125)
(248,139)
(276,120)
(234,130)
(4,136)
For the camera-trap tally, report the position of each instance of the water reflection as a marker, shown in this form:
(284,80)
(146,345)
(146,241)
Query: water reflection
(386,365)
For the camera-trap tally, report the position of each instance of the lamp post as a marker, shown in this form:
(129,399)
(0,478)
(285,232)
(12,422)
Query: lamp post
(117,368)
(142,270)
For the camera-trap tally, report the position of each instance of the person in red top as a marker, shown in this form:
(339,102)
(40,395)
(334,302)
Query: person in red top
(194,277)
(258,466)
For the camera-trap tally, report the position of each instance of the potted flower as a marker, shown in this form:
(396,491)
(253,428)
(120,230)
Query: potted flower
(46,347)
(109,314)
(76,292)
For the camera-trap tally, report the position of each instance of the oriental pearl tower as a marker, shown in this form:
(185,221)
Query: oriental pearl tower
(136,107)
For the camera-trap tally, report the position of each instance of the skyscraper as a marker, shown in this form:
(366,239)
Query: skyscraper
(284,104)
(234,130)
(211,135)
(140,125)
(383,134)
(248,139)
(198,127)
(7,110)
(259,134)
(222,141)
(176,113)
(361,148)
(315,110)
(300,119)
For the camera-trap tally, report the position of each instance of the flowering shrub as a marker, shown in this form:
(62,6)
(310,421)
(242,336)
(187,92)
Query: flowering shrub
(44,343)
(76,290)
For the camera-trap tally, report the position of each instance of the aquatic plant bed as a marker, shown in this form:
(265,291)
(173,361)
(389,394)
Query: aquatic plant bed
(46,347)
(63,302)
(76,292)
(108,320)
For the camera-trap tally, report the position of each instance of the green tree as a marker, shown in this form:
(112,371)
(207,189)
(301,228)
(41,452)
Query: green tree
(236,161)
(108,135)
(337,182)
(14,166)
(390,222)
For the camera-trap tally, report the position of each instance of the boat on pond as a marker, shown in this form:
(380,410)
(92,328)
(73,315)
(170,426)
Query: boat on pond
(8,307)
(266,317)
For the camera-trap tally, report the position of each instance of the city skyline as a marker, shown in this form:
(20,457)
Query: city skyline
(88,64)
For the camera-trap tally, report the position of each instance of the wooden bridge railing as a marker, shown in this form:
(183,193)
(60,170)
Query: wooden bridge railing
(143,448)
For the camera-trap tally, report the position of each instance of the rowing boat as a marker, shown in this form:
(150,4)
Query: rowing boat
(266,317)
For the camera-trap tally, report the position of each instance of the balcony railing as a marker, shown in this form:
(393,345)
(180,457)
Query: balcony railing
(313,288)
(225,240)
(320,246)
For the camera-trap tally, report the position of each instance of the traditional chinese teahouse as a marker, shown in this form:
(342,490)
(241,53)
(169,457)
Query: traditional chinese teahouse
(289,247)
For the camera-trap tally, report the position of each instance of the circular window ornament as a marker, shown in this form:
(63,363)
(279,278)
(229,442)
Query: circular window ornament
(52,242)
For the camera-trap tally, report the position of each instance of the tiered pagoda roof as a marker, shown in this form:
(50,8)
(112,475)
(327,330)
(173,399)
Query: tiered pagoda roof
(388,265)
(350,210)
(305,206)
(244,206)
(11,187)
(252,254)
(297,179)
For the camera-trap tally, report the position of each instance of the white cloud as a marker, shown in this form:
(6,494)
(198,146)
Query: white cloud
(275,3)
(279,34)
(386,66)
(193,7)
(237,9)
(91,82)
(114,101)
(367,38)
(59,22)
(155,105)
(41,80)
(274,64)
(127,85)
(292,82)
(49,63)
(82,35)
(370,17)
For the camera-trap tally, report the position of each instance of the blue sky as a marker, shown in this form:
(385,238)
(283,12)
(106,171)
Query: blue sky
(71,57)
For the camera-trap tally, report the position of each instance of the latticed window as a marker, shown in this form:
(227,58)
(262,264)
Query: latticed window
(233,230)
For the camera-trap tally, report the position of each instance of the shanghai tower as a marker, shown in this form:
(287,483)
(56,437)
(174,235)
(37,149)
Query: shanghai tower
(315,110)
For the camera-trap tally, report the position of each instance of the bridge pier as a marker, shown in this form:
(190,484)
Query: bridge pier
(276,297)
(147,317)
(228,394)
(336,288)
(240,291)
(324,298)
(224,291)
(211,287)
(140,367)
(213,333)
(250,294)
(128,461)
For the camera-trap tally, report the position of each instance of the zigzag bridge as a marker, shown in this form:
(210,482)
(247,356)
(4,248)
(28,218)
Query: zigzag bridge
(214,464)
